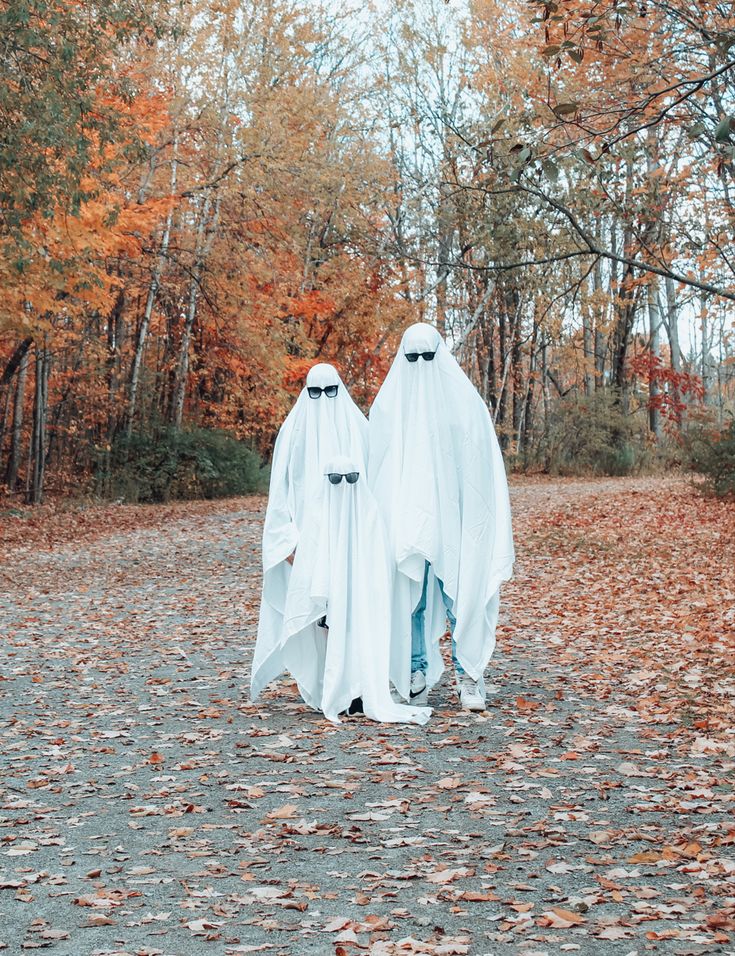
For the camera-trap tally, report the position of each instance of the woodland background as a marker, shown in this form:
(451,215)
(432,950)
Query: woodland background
(199,200)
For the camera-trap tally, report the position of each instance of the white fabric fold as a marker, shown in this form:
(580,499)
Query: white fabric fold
(437,473)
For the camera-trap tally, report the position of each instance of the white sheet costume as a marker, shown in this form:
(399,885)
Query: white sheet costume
(341,566)
(437,473)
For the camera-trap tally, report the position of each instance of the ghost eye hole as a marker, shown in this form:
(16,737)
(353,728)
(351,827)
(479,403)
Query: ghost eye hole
(414,356)
(351,477)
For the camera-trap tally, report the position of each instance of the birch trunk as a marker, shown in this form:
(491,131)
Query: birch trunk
(589,352)
(155,283)
(600,343)
(654,391)
(706,359)
(203,246)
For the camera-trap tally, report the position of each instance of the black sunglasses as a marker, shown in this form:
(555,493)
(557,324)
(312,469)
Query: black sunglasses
(351,477)
(329,390)
(414,356)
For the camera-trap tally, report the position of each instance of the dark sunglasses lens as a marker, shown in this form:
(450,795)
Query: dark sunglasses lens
(352,477)
(428,356)
(331,390)
(335,479)
(313,391)
(412,356)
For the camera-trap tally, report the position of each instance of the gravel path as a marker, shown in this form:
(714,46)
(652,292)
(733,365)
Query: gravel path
(147,808)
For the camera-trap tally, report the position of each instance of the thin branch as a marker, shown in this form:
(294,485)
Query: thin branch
(214,183)
(696,85)
(594,248)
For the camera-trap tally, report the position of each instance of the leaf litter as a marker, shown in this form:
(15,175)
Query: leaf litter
(147,807)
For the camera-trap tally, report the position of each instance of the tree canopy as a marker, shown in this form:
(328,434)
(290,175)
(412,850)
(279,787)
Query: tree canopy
(202,200)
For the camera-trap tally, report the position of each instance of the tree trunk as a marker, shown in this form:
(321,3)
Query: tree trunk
(38,433)
(625,318)
(207,225)
(654,391)
(16,435)
(6,388)
(653,234)
(4,420)
(444,243)
(501,400)
(182,365)
(588,350)
(547,400)
(706,359)
(150,299)
(600,312)
(527,425)
(621,337)
(672,329)
(516,359)
(15,359)
(115,342)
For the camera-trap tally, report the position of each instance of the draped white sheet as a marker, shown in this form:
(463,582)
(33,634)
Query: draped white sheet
(341,566)
(314,431)
(437,473)
(342,569)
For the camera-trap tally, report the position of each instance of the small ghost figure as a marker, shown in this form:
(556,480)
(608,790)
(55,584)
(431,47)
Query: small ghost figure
(336,634)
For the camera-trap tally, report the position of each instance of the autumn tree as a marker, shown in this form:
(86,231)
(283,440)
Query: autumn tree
(221,197)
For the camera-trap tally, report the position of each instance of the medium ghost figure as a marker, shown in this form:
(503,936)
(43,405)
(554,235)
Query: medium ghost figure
(325,555)
(437,473)
(335,639)
(323,423)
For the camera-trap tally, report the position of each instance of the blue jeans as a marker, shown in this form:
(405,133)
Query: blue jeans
(418,629)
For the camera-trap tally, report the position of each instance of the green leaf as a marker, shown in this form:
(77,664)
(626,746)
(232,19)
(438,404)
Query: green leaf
(577,55)
(551,170)
(724,129)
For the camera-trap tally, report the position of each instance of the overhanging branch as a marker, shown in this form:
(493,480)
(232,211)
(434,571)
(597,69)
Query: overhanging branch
(593,248)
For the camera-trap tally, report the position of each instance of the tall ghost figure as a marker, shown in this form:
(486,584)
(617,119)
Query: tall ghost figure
(437,473)
(323,423)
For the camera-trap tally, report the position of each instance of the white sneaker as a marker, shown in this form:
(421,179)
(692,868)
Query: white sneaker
(471,693)
(418,692)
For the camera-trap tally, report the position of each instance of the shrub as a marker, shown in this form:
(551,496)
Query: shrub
(593,436)
(186,463)
(712,454)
